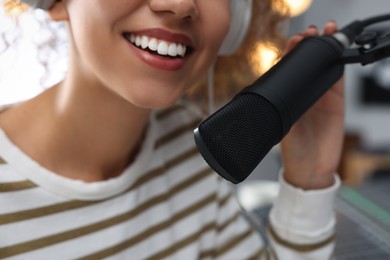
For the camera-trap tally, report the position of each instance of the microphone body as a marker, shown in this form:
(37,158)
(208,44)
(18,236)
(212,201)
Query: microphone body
(235,139)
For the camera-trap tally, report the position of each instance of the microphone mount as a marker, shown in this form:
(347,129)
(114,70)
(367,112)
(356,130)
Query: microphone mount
(371,46)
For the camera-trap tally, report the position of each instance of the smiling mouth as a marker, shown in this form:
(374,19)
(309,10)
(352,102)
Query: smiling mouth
(158,47)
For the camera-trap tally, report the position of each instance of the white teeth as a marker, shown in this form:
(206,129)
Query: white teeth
(161,47)
(181,50)
(144,42)
(138,41)
(172,49)
(153,44)
(132,38)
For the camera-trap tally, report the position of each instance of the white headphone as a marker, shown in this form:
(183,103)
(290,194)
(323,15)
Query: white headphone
(241,15)
(239,23)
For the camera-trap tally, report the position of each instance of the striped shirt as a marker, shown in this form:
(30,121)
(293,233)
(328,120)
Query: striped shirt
(167,205)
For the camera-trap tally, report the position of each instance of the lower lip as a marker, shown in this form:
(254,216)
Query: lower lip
(158,62)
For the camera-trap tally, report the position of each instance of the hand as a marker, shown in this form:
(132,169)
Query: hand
(312,149)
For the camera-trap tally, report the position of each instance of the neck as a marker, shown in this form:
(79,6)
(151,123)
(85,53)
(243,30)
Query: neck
(89,134)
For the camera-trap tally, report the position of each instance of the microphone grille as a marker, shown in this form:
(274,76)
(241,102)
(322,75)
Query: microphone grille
(239,135)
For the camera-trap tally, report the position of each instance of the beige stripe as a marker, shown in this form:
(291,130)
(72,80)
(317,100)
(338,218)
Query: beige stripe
(61,237)
(207,254)
(2,161)
(272,253)
(16,186)
(177,132)
(183,243)
(53,209)
(212,253)
(163,169)
(168,251)
(234,218)
(299,247)
(153,230)
(162,114)
(258,255)
(43,211)
(183,157)
(223,202)
(233,242)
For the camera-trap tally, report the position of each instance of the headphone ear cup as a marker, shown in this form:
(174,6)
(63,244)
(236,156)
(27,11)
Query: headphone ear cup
(241,14)
(41,4)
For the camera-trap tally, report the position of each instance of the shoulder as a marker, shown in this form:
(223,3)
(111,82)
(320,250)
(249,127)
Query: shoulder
(2,110)
(5,107)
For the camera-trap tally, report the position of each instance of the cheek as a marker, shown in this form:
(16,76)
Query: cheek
(214,30)
(216,22)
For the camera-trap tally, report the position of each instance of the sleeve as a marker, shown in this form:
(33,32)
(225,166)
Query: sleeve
(302,223)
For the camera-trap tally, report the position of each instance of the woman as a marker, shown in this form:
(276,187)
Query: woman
(103,164)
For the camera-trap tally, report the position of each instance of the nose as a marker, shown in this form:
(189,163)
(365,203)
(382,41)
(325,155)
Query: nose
(183,9)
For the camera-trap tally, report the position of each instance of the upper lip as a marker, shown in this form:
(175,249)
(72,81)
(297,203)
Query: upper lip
(166,35)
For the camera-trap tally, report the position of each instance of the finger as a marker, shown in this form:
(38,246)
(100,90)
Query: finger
(293,41)
(330,28)
(312,30)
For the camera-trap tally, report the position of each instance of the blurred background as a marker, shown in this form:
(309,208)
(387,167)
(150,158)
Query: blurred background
(368,88)
(363,202)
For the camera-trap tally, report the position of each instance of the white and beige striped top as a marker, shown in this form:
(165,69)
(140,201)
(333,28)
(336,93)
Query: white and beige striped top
(167,205)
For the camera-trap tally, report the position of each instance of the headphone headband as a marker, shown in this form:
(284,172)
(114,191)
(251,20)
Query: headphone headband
(241,14)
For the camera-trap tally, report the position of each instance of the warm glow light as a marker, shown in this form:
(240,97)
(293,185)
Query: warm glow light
(264,57)
(294,7)
(14,8)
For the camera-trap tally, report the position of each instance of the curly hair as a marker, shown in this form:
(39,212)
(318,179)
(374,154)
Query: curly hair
(230,73)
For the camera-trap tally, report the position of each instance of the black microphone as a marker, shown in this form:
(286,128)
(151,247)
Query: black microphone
(235,139)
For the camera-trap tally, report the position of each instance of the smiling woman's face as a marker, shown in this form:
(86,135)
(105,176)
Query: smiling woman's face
(148,52)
